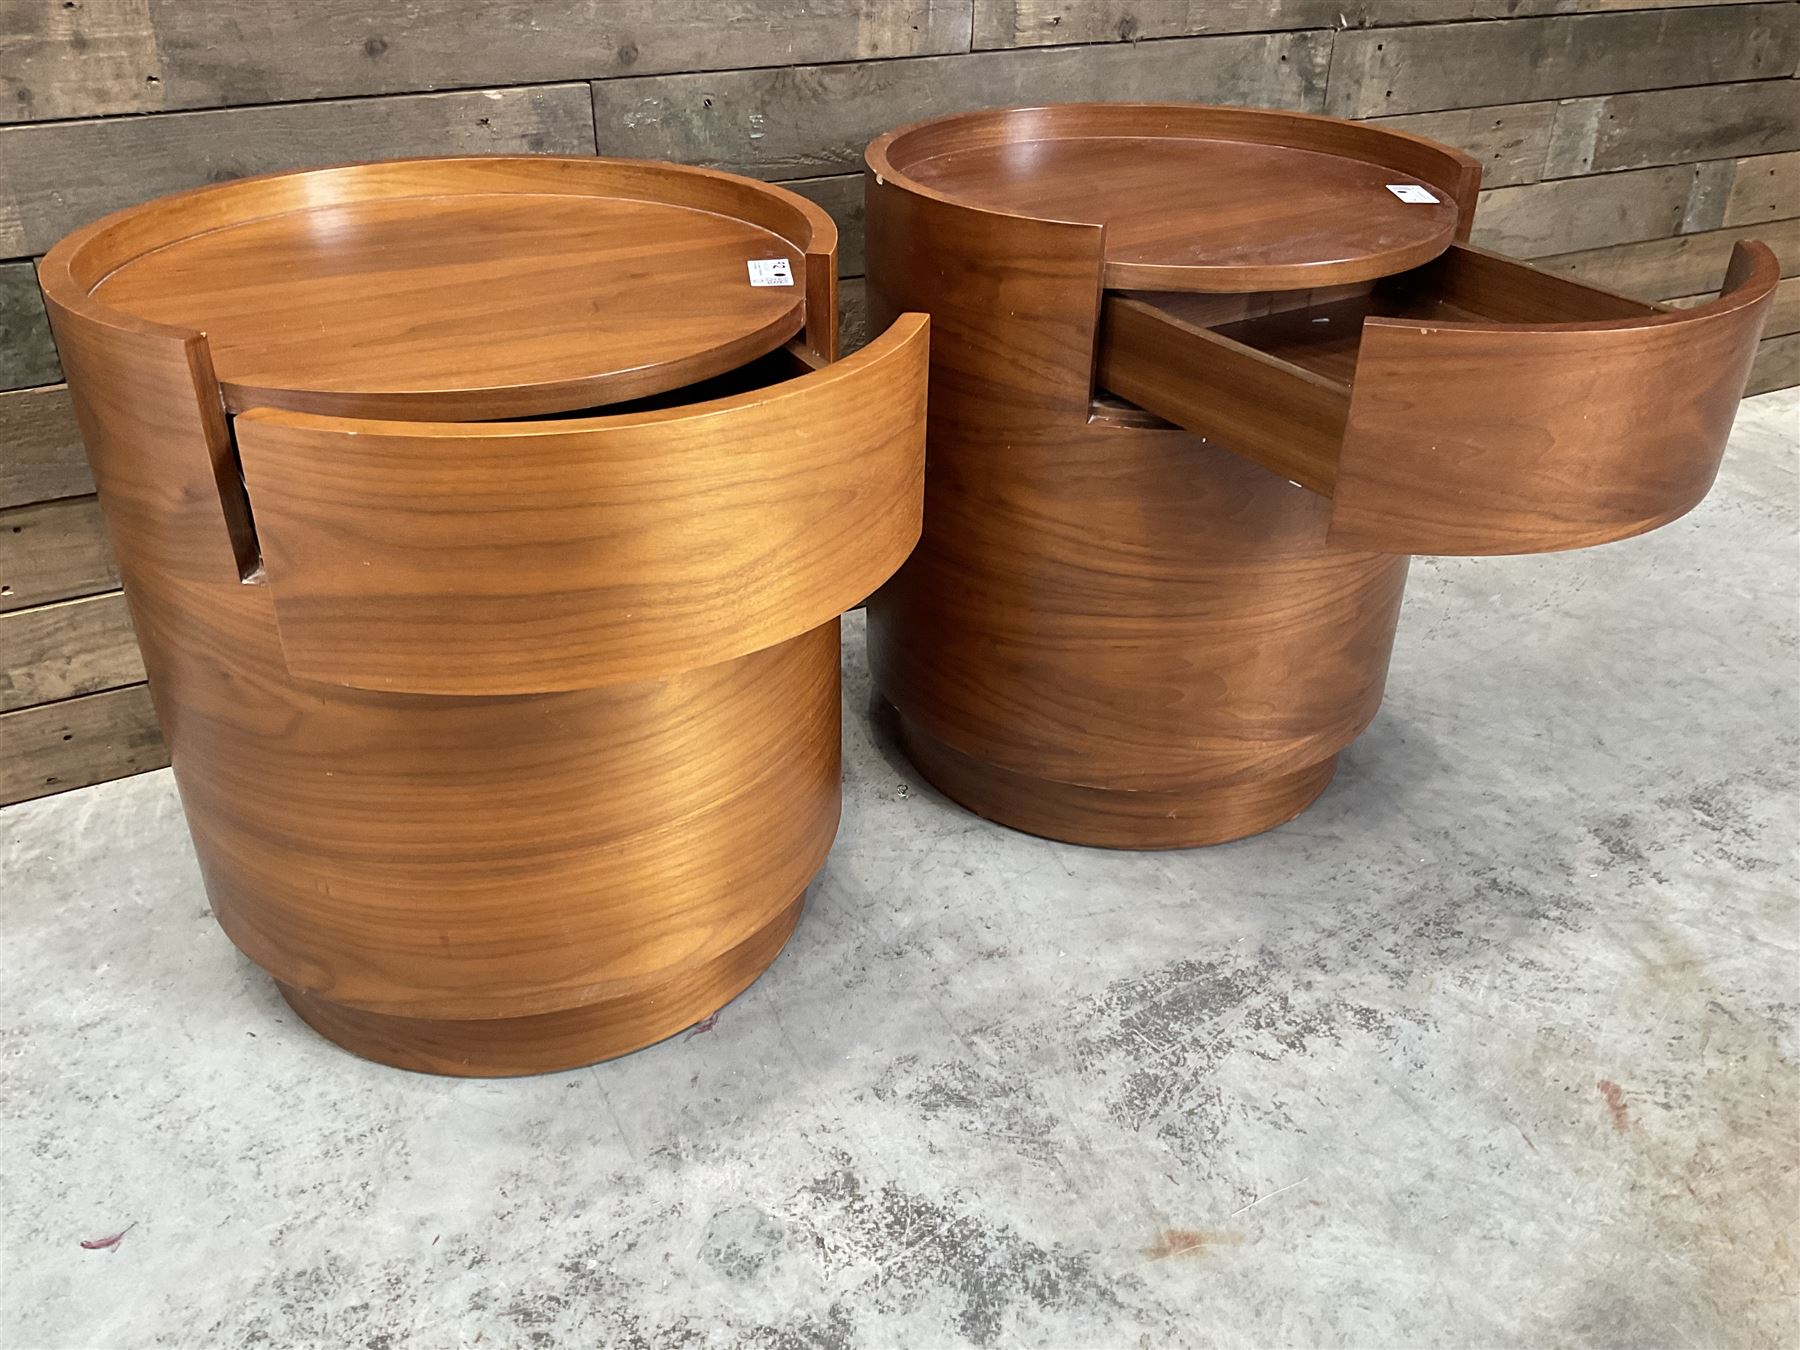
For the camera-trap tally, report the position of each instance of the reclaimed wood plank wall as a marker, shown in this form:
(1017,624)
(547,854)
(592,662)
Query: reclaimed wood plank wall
(1626,141)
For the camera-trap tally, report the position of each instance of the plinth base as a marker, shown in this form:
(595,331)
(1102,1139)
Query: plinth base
(1105,817)
(502,1047)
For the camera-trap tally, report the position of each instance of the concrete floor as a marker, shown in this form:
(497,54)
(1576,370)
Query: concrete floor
(1495,1045)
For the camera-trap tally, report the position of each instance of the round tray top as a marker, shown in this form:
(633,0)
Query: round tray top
(1195,198)
(468,299)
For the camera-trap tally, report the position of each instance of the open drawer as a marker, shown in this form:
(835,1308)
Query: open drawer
(1473,405)
(573,551)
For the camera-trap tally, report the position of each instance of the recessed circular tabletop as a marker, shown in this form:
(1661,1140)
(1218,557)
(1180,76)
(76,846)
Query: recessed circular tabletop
(468,304)
(1199,213)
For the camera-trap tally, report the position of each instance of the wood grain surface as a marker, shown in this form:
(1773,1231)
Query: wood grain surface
(27,356)
(155,55)
(1457,65)
(1197,198)
(1475,438)
(1659,269)
(1508,140)
(463,288)
(509,558)
(1578,213)
(67,649)
(135,159)
(1193,211)
(52,551)
(613,1024)
(44,459)
(1288,419)
(1777,364)
(155,96)
(1474,405)
(1784,314)
(1763,188)
(1110,635)
(1011,23)
(1662,126)
(496,882)
(77,741)
(767,123)
(413,298)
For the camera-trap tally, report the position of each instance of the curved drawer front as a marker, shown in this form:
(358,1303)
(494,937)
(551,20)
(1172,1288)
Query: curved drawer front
(511,558)
(1481,438)
(1474,406)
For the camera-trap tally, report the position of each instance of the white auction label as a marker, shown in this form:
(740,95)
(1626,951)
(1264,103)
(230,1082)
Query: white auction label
(771,272)
(1412,192)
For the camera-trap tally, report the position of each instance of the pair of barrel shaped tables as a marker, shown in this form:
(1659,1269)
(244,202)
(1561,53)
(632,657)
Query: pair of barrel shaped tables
(486,522)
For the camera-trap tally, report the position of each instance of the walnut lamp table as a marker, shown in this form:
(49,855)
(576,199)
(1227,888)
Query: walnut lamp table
(485,524)
(1201,380)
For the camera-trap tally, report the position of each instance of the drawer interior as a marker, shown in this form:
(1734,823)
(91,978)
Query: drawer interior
(1321,330)
(785,363)
(1465,285)
(1473,405)
(1271,375)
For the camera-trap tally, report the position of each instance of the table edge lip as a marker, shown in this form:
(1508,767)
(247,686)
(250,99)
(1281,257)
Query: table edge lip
(880,168)
(68,292)
(523,399)
(181,196)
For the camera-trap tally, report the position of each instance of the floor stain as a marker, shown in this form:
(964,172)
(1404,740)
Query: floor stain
(1615,1104)
(1190,1242)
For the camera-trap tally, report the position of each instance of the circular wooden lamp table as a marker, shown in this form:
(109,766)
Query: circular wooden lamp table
(1202,379)
(485,524)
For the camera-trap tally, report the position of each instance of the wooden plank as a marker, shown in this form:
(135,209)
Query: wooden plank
(27,353)
(842,196)
(1567,214)
(67,649)
(1501,289)
(809,121)
(138,56)
(53,551)
(1039,23)
(1777,364)
(1672,126)
(1706,203)
(1784,314)
(1032,23)
(1399,70)
(41,456)
(853,315)
(1685,265)
(1766,187)
(1509,140)
(77,742)
(130,159)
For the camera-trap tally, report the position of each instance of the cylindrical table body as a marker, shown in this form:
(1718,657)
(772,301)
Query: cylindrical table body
(1202,379)
(481,885)
(1125,638)
(504,746)
(1112,632)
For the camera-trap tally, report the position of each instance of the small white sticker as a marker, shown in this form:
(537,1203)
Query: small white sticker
(1412,192)
(770,272)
